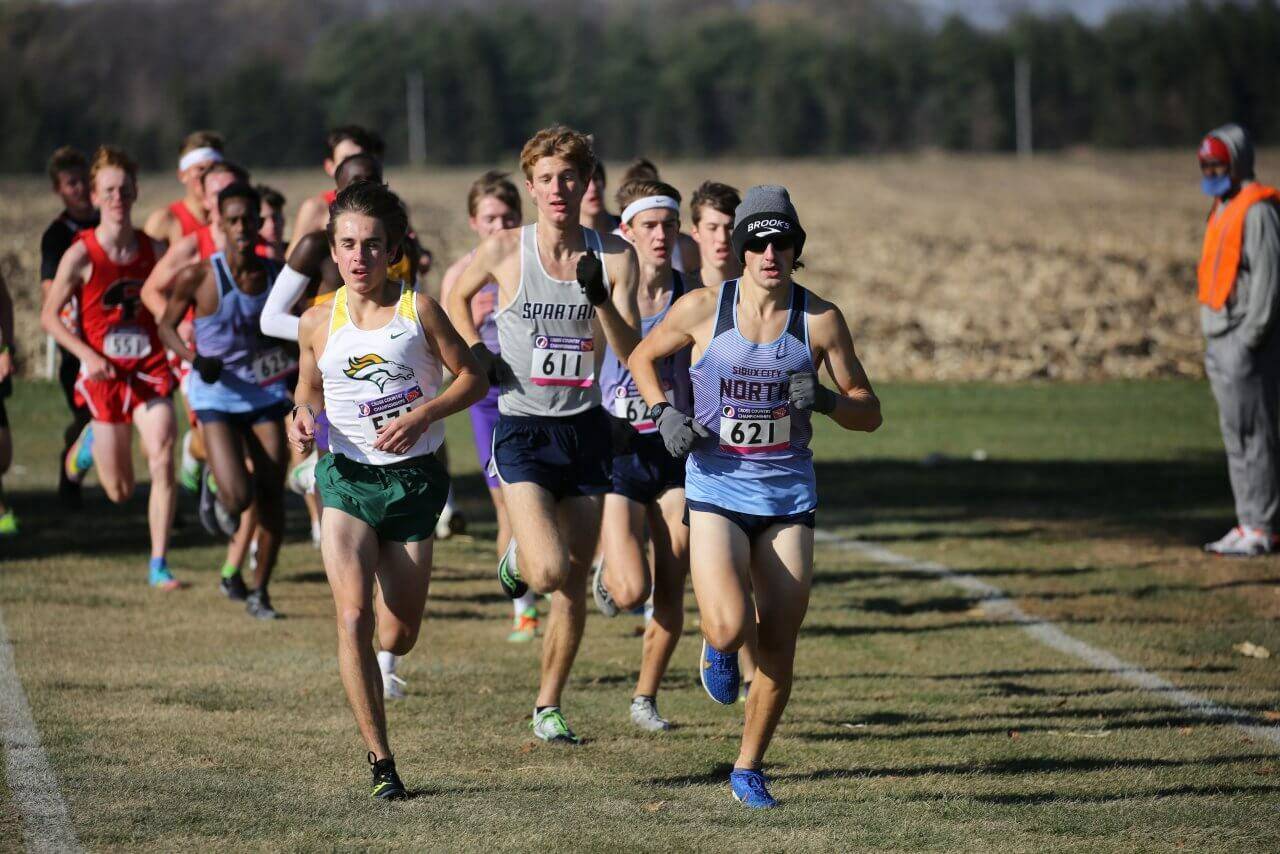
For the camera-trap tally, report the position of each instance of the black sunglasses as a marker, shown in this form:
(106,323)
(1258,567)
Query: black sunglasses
(781,243)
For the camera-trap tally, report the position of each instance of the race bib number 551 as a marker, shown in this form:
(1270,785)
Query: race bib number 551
(126,342)
(755,430)
(560,360)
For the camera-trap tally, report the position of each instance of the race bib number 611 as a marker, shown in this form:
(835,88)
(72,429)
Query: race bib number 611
(561,360)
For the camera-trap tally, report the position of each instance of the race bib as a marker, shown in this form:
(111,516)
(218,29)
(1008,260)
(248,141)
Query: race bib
(373,414)
(560,360)
(126,342)
(630,406)
(272,365)
(755,429)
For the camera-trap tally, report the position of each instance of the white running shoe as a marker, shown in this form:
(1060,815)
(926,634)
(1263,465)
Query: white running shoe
(315,534)
(644,714)
(1242,542)
(302,477)
(444,527)
(604,601)
(393,687)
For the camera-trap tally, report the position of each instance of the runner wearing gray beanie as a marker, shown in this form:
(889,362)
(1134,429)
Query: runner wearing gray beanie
(766,210)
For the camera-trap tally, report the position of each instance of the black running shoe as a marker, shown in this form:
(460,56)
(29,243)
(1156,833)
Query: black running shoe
(234,588)
(208,509)
(258,604)
(386,782)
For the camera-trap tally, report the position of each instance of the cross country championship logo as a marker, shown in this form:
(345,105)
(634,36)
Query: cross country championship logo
(377,370)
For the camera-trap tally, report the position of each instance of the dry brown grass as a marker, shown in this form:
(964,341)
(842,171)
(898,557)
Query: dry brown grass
(1078,266)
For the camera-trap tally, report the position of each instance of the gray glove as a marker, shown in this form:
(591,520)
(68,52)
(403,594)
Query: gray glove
(679,431)
(809,394)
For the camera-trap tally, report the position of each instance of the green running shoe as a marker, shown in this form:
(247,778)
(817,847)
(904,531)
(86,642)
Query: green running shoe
(386,782)
(8,524)
(526,628)
(550,726)
(509,575)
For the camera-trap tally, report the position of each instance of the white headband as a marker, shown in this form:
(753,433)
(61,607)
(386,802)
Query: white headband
(648,203)
(198,155)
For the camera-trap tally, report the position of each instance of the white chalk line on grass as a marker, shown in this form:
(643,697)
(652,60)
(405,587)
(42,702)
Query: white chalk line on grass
(997,604)
(45,820)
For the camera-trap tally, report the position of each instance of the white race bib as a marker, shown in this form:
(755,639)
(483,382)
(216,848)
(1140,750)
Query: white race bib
(126,342)
(376,413)
(630,407)
(273,364)
(560,360)
(755,429)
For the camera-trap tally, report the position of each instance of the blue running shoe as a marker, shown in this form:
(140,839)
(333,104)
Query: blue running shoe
(720,675)
(160,577)
(750,789)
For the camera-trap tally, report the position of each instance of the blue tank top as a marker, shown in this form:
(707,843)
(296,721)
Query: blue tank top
(618,389)
(254,367)
(758,460)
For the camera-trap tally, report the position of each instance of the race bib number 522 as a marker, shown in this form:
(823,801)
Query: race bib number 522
(561,360)
(755,429)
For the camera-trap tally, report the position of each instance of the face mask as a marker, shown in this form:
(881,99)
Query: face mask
(1216,187)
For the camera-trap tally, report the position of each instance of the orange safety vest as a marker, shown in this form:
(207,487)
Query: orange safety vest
(1220,258)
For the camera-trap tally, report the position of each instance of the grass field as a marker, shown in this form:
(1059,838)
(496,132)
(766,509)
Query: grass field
(918,720)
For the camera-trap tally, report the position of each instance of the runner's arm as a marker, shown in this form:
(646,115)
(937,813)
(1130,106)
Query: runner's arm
(308,397)
(71,273)
(857,407)
(467,285)
(307,221)
(184,292)
(673,333)
(619,316)
(278,319)
(159,225)
(159,284)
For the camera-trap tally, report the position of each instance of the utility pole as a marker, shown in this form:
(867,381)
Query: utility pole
(415,105)
(1022,104)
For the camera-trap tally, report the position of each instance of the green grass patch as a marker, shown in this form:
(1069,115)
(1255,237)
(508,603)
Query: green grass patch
(917,722)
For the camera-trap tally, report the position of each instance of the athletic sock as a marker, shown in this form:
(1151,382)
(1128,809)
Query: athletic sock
(159,563)
(386,662)
(652,698)
(524,603)
(229,570)
(448,500)
(537,710)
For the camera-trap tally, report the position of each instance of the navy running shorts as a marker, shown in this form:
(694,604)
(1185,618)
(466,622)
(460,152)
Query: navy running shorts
(647,470)
(568,457)
(751,524)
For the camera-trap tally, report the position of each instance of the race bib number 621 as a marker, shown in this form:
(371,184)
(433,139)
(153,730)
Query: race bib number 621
(755,430)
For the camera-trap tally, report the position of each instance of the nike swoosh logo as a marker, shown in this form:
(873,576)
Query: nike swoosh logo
(398,334)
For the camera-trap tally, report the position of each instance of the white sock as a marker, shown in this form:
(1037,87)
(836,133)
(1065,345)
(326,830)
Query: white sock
(525,602)
(315,531)
(448,501)
(386,662)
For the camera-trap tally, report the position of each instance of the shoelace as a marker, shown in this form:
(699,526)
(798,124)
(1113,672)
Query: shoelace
(755,782)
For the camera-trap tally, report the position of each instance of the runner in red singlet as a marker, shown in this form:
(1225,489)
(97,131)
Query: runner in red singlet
(200,150)
(341,143)
(124,377)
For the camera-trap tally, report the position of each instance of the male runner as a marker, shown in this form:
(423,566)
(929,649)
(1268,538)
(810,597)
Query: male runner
(341,143)
(199,151)
(594,213)
(237,388)
(749,483)
(493,205)
(69,174)
(712,208)
(371,360)
(648,484)
(684,254)
(124,376)
(8,522)
(272,213)
(563,292)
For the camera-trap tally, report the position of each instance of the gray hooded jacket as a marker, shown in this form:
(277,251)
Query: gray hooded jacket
(1252,305)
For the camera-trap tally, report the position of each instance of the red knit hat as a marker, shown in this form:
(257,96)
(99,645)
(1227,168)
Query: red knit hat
(1212,148)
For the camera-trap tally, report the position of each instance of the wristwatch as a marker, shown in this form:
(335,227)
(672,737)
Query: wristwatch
(654,411)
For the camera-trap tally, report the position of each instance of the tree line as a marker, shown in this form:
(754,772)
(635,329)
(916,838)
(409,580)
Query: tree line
(670,78)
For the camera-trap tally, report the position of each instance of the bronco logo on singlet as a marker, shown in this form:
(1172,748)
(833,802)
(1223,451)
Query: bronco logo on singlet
(377,370)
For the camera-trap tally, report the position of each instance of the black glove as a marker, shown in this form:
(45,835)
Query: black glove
(591,277)
(622,436)
(490,365)
(807,393)
(208,368)
(679,431)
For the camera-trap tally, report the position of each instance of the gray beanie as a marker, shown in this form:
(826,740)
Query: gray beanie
(766,210)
